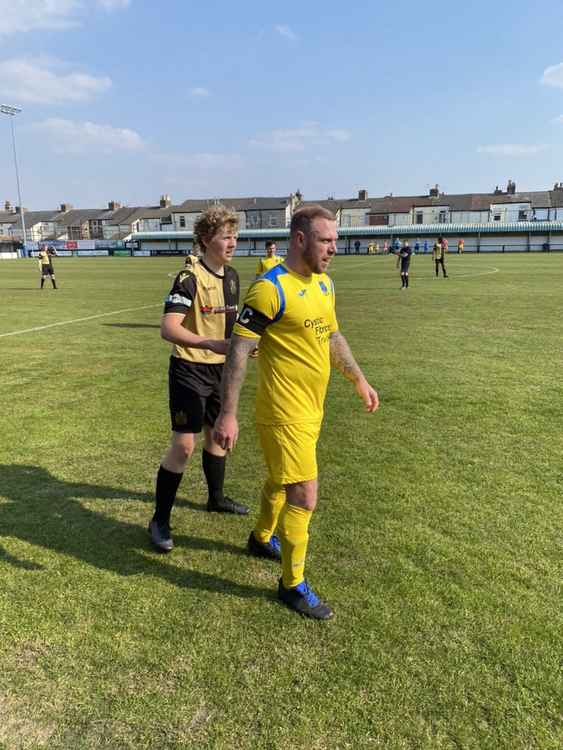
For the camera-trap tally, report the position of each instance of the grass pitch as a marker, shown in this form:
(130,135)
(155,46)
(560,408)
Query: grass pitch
(437,538)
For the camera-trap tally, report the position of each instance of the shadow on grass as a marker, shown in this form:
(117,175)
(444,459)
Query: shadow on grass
(45,511)
(132,325)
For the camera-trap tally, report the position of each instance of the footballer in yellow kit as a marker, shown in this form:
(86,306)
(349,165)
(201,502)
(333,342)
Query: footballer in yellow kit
(294,316)
(290,309)
(271,259)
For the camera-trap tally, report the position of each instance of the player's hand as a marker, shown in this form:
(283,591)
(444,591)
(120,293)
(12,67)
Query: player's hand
(368,395)
(225,431)
(219,346)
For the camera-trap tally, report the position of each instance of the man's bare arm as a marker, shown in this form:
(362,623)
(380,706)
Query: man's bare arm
(171,329)
(342,359)
(234,372)
(225,432)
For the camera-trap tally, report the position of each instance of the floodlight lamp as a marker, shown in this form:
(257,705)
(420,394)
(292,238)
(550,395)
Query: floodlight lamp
(6,109)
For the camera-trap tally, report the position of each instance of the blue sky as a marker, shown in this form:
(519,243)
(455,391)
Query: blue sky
(129,99)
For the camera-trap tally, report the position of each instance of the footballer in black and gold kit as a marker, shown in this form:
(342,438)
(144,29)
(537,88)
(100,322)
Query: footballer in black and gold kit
(209,303)
(46,265)
(199,315)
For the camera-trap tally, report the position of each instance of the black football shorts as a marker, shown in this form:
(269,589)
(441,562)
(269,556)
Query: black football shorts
(194,394)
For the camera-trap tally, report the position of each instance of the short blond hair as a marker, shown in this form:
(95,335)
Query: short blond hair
(302,218)
(211,221)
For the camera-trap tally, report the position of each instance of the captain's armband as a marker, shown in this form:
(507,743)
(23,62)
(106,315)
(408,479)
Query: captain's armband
(253,320)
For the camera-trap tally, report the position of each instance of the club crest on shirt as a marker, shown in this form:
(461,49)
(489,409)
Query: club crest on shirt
(233,286)
(323,287)
(301,292)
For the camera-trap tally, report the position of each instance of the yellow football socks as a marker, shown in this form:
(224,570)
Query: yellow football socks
(293,528)
(271,503)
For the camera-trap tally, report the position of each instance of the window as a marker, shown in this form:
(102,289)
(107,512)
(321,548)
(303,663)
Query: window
(182,222)
(419,217)
(522,216)
(496,217)
(379,219)
(442,217)
(273,220)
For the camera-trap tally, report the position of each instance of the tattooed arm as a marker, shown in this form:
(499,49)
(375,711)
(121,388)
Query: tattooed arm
(225,432)
(342,359)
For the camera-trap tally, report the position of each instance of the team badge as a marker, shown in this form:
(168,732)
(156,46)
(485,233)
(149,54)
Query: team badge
(323,287)
(301,292)
(233,286)
(180,418)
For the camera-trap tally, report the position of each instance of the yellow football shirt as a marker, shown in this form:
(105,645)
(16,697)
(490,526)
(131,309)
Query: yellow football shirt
(294,317)
(264,264)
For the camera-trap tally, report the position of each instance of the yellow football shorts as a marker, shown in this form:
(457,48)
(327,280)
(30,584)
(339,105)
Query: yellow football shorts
(290,451)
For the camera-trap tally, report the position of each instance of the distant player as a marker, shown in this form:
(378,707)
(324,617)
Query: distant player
(271,259)
(438,253)
(404,259)
(199,315)
(46,265)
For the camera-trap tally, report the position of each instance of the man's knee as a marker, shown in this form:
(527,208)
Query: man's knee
(183,444)
(303,494)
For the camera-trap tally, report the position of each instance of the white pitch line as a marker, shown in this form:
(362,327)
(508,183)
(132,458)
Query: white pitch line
(456,276)
(76,320)
(464,275)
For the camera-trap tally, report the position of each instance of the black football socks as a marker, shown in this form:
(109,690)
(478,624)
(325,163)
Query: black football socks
(214,470)
(167,483)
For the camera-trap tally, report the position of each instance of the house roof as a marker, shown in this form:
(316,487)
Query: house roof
(77,216)
(37,217)
(456,202)
(330,204)
(9,217)
(556,198)
(238,204)
(118,216)
(151,212)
